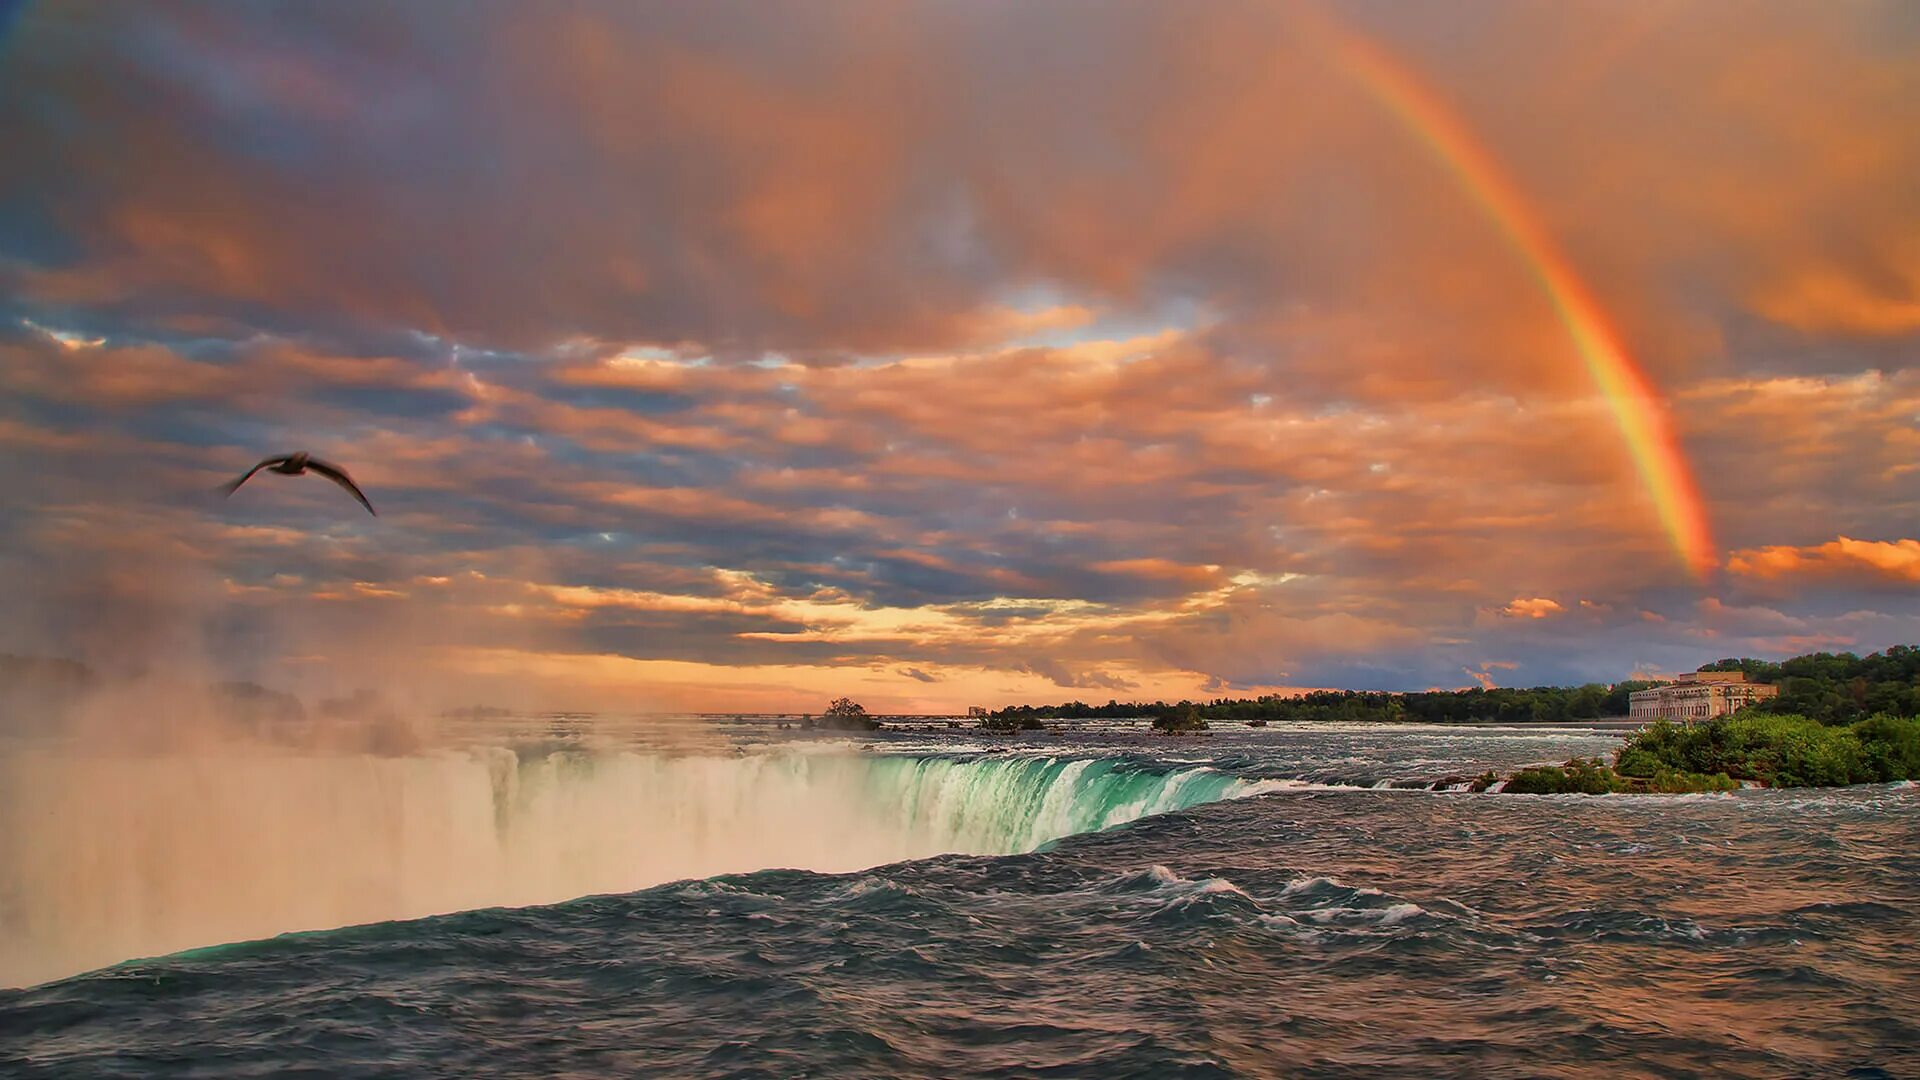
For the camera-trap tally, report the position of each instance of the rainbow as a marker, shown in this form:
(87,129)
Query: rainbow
(1638,409)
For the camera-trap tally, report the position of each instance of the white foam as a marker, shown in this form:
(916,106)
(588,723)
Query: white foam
(1400,913)
(1300,885)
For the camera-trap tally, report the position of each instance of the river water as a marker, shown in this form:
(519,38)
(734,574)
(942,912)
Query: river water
(1105,903)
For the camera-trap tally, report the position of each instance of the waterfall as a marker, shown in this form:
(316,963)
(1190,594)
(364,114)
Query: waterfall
(108,858)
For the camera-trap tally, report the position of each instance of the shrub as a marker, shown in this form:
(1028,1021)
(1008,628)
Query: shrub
(1781,750)
(846,714)
(1890,746)
(1580,776)
(1653,747)
(1172,724)
(1673,782)
(1590,777)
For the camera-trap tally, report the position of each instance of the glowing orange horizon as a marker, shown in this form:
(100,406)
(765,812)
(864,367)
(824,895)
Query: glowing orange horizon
(1637,407)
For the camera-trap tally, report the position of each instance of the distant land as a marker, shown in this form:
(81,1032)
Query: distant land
(1833,688)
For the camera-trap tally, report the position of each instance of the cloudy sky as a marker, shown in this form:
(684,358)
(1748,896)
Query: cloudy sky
(736,355)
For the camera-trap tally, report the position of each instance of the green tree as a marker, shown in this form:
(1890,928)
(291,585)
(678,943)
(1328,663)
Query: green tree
(846,714)
(1178,724)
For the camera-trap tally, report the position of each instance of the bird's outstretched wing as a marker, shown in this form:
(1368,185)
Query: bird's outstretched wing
(248,475)
(339,476)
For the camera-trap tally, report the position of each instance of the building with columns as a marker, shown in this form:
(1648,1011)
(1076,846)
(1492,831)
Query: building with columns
(1697,695)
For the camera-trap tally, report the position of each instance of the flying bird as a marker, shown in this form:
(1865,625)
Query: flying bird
(298,465)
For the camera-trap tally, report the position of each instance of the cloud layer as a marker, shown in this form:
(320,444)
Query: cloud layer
(735,355)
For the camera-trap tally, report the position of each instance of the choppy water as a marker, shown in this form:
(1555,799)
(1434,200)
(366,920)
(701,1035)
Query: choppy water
(1244,919)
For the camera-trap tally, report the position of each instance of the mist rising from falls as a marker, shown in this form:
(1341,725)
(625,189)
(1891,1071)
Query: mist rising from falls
(108,858)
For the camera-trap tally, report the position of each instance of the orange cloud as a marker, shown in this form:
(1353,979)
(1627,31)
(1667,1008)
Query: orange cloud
(1537,607)
(1163,570)
(1894,560)
(784,298)
(1825,298)
(877,181)
(1483,673)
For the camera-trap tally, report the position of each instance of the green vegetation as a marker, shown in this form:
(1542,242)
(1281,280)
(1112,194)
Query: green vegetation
(1753,746)
(1579,776)
(1832,688)
(1780,751)
(1552,704)
(1667,781)
(845,714)
(1000,724)
(1189,724)
(1838,688)
(1583,776)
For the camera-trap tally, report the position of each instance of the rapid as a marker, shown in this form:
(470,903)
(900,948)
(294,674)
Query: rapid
(1103,902)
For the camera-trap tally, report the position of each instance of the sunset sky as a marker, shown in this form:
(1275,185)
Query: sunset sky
(741,355)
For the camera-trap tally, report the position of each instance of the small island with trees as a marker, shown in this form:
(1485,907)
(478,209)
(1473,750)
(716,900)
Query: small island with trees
(1838,719)
(1174,724)
(843,714)
(1748,748)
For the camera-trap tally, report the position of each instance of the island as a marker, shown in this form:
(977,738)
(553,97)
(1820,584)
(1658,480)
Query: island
(1750,748)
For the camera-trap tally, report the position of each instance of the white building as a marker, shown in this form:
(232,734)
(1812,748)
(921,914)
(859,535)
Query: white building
(1697,695)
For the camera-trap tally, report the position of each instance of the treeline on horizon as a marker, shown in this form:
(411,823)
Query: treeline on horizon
(1833,688)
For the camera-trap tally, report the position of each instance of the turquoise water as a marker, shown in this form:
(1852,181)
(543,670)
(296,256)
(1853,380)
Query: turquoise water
(1251,905)
(1016,804)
